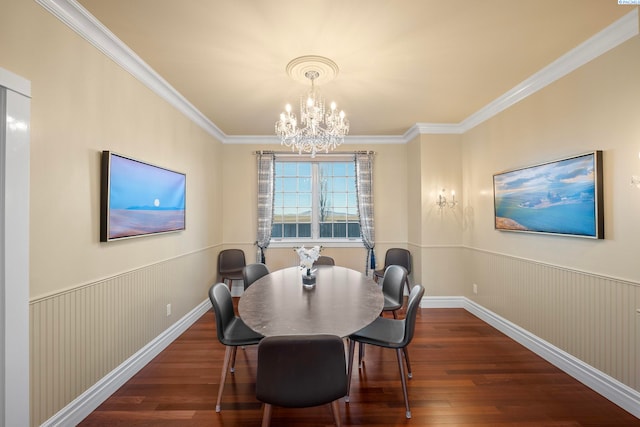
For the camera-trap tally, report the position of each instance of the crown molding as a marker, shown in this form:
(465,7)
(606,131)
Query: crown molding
(432,128)
(88,27)
(615,34)
(251,139)
(348,140)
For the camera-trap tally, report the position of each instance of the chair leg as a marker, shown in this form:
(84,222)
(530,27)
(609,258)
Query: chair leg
(266,415)
(406,358)
(395,314)
(404,382)
(352,348)
(233,359)
(360,354)
(223,377)
(335,410)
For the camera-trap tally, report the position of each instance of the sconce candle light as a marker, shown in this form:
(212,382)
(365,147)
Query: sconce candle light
(442,200)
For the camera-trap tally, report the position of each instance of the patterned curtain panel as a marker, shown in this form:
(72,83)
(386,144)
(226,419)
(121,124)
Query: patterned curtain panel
(266,175)
(364,188)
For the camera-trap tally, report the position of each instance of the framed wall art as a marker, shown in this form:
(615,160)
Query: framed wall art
(562,197)
(139,199)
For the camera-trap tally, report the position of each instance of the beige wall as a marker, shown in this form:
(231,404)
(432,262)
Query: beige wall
(390,204)
(434,163)
(581,295)
(595,107)
(81,290)
(84,103)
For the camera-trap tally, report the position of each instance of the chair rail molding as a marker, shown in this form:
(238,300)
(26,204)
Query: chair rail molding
(87,402)
(618,393)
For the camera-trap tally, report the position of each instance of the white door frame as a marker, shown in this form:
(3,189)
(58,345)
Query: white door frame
(15,127)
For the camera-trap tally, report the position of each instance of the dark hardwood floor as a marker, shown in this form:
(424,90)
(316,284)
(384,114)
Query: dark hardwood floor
(465,373)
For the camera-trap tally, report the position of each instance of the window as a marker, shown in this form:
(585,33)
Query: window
(315,200)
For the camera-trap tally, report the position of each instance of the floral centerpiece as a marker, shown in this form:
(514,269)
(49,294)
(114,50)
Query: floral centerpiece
(307,258)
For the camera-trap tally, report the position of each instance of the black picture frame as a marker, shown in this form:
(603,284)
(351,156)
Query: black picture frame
(139,199)
(561,197)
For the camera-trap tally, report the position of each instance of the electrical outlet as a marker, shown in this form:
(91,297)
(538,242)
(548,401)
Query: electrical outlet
(168,310)
(475,289)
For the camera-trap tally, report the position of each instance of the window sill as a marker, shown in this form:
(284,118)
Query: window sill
(333,243)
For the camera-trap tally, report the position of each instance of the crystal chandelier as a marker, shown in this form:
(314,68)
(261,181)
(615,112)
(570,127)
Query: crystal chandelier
(320,130)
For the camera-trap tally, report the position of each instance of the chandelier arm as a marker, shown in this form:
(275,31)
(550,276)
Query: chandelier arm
(319,130)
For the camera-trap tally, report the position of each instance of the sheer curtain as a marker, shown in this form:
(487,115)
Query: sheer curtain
(266,174)
(364,188)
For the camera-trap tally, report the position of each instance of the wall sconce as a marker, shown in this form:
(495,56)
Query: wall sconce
(442,200)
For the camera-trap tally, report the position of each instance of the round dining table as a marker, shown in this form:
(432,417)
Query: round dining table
(342,302)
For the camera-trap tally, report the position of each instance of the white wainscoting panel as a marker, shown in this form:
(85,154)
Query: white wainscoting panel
(80,336)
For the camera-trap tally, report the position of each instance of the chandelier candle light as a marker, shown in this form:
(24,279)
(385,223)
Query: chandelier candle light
(321,130)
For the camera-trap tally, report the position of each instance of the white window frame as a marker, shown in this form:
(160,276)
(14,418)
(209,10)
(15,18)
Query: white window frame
(287,242)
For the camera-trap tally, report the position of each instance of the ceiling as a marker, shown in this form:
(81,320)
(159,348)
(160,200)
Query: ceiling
(400,62)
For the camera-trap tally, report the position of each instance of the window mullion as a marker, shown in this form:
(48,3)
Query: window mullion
(315,195)
(340,225)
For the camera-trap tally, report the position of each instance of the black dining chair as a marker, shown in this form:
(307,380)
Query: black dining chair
(231,330)
(324,260)
(300,371)
(393,282)
(230,265)
(390,333)
(252,272)
(396,256)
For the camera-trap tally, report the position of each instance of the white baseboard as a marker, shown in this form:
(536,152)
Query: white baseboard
(87,402)
(442,302)
(612,389)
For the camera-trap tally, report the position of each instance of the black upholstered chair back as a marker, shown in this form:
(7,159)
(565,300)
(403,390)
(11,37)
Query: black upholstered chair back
(398,256)
(253,272)
(412,311)
(300,371)
(324,260)
(230,265)
(393,287)
(230,261)
(222,303)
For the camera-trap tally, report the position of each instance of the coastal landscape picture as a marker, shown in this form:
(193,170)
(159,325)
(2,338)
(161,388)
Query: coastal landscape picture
(139,198)
(562,197)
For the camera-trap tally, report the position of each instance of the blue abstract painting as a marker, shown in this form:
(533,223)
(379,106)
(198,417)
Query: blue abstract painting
(143,199)
(560,197)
